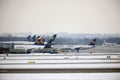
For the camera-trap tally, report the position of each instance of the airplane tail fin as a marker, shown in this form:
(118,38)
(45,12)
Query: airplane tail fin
(54,37)
(93,42)
(29,38)
(48,45)
(40,40)
(34,38)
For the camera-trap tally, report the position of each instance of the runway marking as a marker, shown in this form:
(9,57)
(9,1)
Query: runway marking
(118,56)
(31,62)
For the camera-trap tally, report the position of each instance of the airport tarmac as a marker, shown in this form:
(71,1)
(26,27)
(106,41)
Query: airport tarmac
(99,63)
(60,76)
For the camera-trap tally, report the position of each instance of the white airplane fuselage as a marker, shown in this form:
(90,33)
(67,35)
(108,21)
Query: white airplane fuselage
(73,47)
(19,42)
(23,44)
(28,46)
(16,42)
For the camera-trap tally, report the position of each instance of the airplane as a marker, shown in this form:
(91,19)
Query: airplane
(78,47)
(108,44)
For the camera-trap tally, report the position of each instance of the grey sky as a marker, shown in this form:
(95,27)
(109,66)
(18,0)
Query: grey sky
(74,16)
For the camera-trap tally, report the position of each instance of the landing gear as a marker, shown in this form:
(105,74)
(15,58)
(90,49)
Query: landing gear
(77,49)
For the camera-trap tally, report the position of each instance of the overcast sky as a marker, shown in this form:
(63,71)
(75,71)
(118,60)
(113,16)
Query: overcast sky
(73,16)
